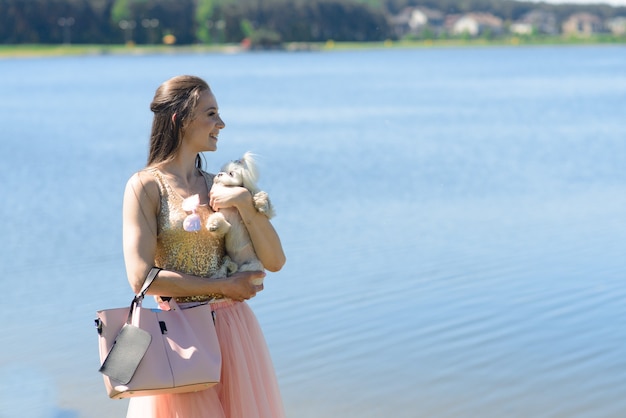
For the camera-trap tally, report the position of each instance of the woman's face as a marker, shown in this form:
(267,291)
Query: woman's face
(202,130)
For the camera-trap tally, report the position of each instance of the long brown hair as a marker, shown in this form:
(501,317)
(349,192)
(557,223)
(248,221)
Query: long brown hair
(173,105)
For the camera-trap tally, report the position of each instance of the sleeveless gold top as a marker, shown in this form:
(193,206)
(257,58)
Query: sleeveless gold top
(200,253)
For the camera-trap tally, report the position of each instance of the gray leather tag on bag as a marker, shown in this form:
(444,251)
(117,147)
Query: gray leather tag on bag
(129,348)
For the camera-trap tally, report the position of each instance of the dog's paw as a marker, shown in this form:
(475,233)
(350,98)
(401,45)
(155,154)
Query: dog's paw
(263,204)
(216,223)
(230,266)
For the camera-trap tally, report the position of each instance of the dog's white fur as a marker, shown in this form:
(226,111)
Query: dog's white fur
(228,222)
(244,173)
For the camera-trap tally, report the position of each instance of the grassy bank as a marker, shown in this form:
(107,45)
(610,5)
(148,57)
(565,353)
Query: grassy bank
(474,42)
(24,51)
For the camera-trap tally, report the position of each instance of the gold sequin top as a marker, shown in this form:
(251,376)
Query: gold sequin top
(200,253)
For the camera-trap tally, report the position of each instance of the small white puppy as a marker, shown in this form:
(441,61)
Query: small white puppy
(244,173)
(228,222)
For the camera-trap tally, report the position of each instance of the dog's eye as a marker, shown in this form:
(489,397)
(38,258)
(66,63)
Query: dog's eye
(231,173)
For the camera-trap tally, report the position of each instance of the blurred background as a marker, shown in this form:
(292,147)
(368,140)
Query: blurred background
(294,24)
(453,218)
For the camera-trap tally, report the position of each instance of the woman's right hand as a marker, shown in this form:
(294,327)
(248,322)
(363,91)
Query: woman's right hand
(240,285)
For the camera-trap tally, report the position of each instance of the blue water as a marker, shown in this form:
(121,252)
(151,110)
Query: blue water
(454,222)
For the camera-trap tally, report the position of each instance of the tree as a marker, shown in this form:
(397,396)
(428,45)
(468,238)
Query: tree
(202,17)
(121,11)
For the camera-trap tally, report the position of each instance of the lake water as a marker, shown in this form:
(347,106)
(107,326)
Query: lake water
(454,222)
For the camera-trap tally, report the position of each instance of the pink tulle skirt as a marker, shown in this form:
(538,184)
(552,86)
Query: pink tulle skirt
(248,387)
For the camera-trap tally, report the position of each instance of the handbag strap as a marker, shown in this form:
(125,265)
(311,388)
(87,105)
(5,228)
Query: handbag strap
(146,284)
(152,274)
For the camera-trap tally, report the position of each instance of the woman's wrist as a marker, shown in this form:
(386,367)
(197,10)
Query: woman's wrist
(221,285)
(244,201)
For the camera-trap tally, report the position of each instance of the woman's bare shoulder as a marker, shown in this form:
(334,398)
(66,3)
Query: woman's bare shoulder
(143,183)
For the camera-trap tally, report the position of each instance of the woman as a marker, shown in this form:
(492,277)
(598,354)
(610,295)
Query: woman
(186,122)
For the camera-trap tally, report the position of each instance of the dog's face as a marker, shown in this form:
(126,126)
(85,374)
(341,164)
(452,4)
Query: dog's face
(238,173)
(232,175)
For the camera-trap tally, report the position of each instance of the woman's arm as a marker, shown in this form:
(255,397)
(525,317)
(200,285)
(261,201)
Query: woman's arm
(263,235)
(140,209)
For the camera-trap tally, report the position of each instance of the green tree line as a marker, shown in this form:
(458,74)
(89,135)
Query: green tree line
(230,21)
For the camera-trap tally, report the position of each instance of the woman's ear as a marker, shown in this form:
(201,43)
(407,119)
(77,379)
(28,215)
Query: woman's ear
(174,116)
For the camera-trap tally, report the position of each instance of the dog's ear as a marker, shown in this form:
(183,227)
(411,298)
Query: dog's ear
(250,173)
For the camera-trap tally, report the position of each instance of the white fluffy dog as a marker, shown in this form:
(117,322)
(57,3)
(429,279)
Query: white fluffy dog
(228,222)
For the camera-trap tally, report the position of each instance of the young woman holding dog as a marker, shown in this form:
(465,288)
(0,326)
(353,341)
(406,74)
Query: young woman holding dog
(186,123)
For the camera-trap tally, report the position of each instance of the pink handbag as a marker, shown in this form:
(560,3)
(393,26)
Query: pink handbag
(150,351)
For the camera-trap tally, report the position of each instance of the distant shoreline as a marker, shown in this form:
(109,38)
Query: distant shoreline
(35,50)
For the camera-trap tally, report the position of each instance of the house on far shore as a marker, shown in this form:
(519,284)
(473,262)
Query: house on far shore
(414,20)
(449,21)
(582,24)
(617,25)
(475,24)
(535,22)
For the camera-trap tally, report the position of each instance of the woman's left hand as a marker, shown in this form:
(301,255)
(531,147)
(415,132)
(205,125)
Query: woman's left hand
(226,197)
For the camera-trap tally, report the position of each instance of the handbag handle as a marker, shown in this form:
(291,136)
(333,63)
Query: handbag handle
(142,293)
(146,284)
